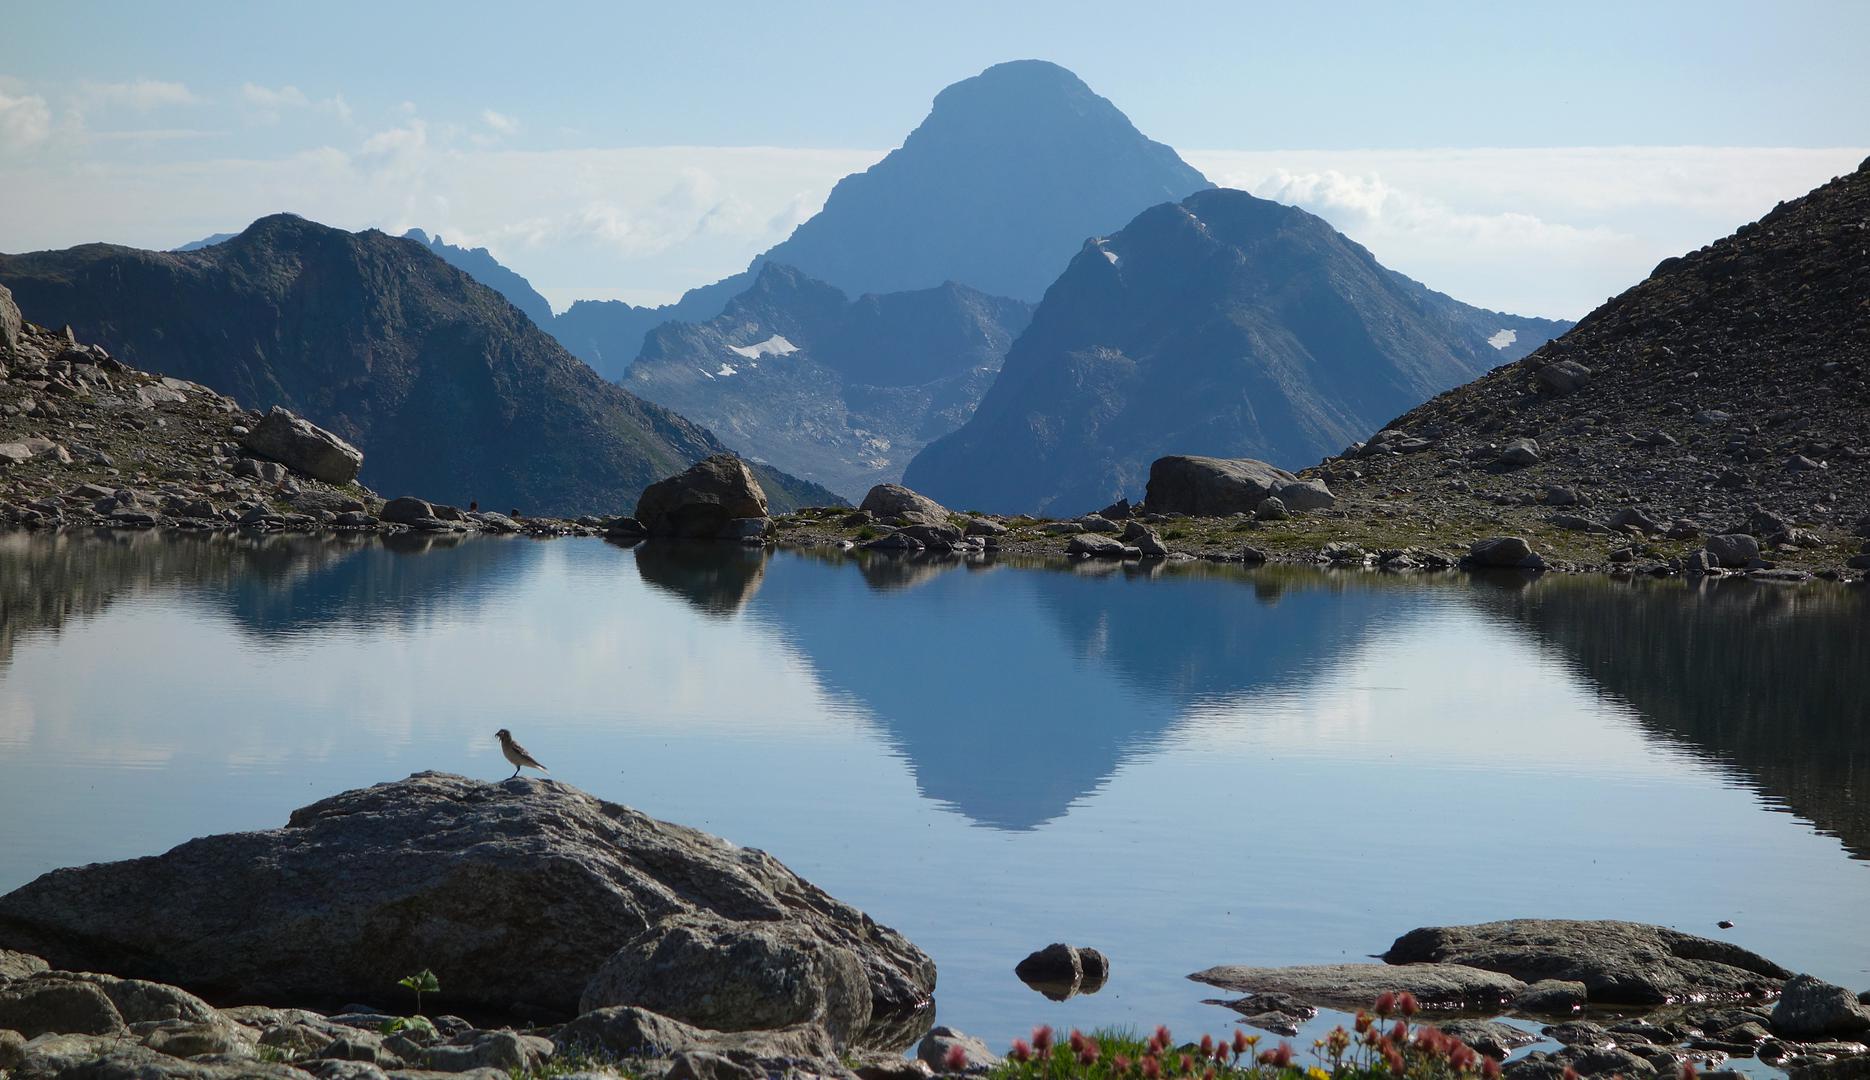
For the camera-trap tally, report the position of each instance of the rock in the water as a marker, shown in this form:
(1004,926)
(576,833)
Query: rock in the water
(1732,551)
(1552,996)
(735,976)
(940,1042)
(304,447)
(1619,962)
(888,501)
(1355,986)
(701,502)
(1280,1014)
(1490,1037)
(1212,487)
(1504,551)
(1057,962)
(1810,1008)
(510,892)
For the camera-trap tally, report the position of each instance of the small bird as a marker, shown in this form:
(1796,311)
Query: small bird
(516,753)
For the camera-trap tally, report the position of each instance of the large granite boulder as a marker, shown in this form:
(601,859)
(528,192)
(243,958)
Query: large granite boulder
(701,503)
(1212,487)
(1620,963)
(890,501)
(303,447)
(736,976)
(514,893)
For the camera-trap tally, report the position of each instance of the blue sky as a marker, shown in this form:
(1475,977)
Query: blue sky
(587,144)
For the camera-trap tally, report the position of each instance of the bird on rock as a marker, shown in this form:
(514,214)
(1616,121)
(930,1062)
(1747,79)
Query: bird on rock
(516,753)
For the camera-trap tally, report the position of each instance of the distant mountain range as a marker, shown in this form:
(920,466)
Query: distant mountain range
(207,241)
(449,390)
(996,189)
(1224,325)
(837,391)
(479,264)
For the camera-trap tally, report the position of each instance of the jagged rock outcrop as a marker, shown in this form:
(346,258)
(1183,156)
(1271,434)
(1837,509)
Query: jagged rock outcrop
(513,893)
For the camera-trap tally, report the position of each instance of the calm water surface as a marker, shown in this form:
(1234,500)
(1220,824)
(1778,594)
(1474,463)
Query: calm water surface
(1194,767)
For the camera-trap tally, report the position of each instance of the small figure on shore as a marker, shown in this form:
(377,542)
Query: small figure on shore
(516,753)
(473,506)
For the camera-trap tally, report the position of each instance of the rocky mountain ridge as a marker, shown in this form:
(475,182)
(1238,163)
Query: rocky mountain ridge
(838,391)
(1222,325)
(448,389)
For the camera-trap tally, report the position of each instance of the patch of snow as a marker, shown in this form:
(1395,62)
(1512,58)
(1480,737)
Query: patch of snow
(1503,338)
(706,372)
(1111,255)
(772,346)
(726,370)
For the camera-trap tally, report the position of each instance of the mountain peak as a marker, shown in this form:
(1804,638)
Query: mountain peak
(996,188)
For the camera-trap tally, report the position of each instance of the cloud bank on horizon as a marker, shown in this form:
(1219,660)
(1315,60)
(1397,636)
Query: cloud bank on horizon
(1529,230)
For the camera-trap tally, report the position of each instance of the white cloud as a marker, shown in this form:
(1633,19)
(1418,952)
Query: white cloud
(499,122)
(267,97)
(271,102)
(141,95)
(25,121)
(1538,231)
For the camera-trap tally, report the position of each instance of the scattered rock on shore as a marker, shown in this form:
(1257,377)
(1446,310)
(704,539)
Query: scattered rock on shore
(1212,487)
(304,447)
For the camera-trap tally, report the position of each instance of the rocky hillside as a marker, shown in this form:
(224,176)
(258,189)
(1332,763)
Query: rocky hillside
(1222,325)
(837,391)
(448,389)
(1727,393)
(995,189)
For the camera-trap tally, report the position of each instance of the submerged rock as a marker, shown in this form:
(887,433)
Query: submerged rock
(1618,962)
(516,892)
(1355,986)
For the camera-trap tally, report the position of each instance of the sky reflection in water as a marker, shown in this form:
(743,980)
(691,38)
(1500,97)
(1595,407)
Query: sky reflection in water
(1203,767)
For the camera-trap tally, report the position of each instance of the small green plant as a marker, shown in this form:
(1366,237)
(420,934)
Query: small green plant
(867,533)
(422,982)
(1175,534)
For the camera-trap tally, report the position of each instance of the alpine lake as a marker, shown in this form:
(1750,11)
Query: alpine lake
(1182,765)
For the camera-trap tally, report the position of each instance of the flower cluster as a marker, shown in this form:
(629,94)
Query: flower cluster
(1378,1049)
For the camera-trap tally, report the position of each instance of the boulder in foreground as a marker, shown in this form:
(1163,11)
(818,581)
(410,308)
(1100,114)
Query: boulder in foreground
(304,447)
(513,893)
(1212,487)
(703,502)
(1620,963)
